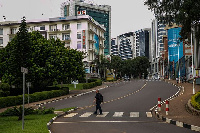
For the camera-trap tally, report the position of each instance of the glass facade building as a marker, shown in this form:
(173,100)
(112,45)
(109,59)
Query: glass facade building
(100,13)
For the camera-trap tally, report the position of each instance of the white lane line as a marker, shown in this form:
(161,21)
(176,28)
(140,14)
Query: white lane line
(103,114)
(108,122)
(149,114)
(87,114)
(118,114)
(70,115)
(134,114)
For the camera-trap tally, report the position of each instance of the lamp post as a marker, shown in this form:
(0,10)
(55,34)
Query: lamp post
(178,65)
(168,65)
(192,61)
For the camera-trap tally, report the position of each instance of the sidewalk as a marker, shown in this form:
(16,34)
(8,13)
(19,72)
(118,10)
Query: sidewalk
(71,93)
(177,106)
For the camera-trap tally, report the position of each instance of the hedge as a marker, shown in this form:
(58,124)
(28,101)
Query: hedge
(194,103)
(92,84)
(35,97)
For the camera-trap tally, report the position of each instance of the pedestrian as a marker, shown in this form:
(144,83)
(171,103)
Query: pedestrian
(182,79)
(185,78)
(177,79)
(98,99)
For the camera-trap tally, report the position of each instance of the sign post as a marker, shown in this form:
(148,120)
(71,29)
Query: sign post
(28,85)
(24,71)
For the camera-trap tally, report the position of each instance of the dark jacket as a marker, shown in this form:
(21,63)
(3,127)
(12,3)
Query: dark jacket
(98,100)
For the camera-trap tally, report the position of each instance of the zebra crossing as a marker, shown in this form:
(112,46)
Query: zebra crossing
(105,114)
(152,80)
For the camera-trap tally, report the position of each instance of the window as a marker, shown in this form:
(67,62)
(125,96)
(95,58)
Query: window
(65,36)
(79,45)
(13,30)
(1,40)
(66,26)
(42,27)
(53,36)
(1,31)
(78,26)
(53,27)
(78,35)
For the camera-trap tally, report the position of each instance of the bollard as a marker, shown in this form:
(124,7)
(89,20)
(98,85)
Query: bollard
(159,104)
(167,107)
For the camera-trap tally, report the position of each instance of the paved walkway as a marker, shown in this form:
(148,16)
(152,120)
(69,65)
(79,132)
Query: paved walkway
(177,110)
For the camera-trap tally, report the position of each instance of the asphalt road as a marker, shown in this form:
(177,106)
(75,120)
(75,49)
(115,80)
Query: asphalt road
(125,110)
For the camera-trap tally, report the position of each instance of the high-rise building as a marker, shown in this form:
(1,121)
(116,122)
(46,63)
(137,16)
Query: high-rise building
(126,46)
(114,47)
(100,13)
(142,42)
(157,46)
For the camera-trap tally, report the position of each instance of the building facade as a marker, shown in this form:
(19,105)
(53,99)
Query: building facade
(114,47)
(100,13)
(157,47)
(125,42)
(142,42)
(77,32)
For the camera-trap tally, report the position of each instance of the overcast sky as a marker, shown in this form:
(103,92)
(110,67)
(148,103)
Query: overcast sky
(126,16)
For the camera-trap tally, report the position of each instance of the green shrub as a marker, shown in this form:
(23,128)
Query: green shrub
(38,96)
(17,111)
(194,102)
(92,84)
(4,89)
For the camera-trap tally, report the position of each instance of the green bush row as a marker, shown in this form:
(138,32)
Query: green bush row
(17,111)
(194,103)
(92,84)
(38,96)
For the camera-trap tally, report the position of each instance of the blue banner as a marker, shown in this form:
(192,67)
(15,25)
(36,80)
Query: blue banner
(175,46)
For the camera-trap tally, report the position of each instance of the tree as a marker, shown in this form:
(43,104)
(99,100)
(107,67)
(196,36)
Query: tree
(116,64)
(184,12)
(102,64)
(18,53)
(46,60)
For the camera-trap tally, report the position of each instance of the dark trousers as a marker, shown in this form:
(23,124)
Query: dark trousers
(98,107)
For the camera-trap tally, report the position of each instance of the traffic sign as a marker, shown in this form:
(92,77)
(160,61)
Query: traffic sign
(24,70)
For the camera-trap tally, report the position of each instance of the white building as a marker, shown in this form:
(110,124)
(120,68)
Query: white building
(77,32)
(100,13)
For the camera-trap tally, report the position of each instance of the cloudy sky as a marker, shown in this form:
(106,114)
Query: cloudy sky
(127,15)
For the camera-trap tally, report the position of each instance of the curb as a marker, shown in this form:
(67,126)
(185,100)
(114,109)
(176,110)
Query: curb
(54,118)
(174,122)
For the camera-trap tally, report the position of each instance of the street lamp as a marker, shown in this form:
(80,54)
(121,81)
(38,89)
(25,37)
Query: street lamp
(192,62)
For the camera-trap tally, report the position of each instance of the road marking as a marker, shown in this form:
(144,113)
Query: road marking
(149,114)
(87,114)
(118,114)
(103,114)
(109,122)
(134,114)
(70,115)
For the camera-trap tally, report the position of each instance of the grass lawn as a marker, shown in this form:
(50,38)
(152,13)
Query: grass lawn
(32,123)
(71,86)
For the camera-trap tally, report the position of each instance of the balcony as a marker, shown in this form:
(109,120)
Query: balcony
(67,40)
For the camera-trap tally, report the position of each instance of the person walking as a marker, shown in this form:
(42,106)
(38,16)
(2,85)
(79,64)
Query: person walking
(98,99)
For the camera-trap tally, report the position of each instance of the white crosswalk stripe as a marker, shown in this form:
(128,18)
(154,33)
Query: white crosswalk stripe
(149,114)
(118,114)
(134,114)
(70,115)
(115,114)
(103,114)
(87,114)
